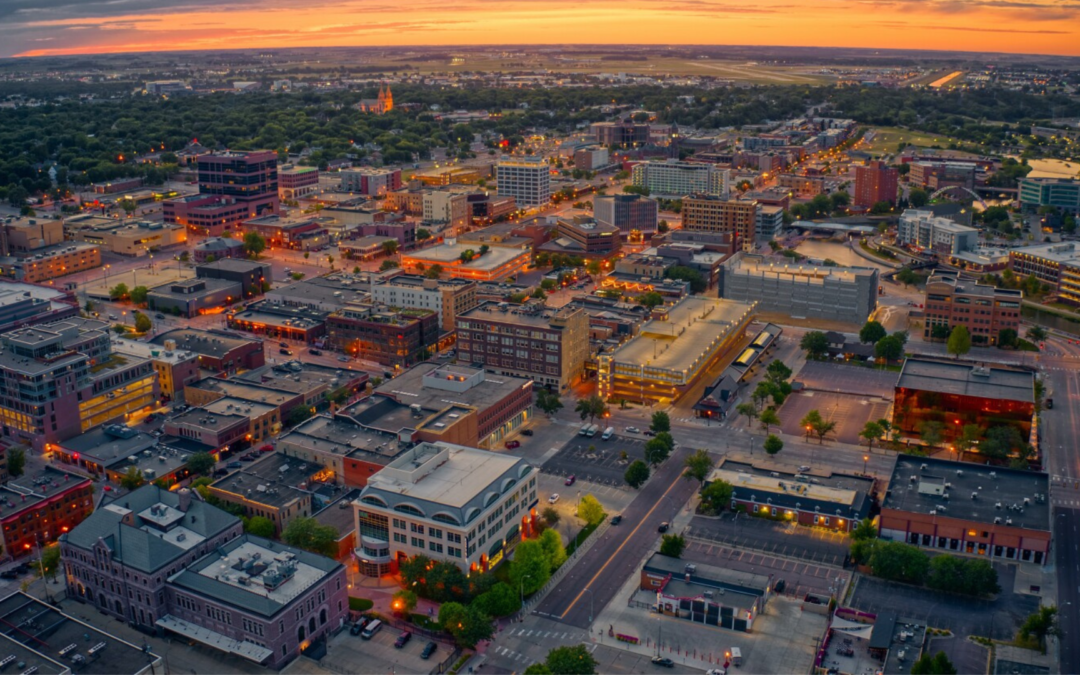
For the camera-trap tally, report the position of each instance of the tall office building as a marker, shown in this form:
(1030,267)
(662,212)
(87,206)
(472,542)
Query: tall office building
(875,182)
(370,182)
(527,179)
(702,213)
(251,178)
(630,213)
(673,178)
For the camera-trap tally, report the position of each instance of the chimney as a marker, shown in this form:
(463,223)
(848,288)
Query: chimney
(185,499)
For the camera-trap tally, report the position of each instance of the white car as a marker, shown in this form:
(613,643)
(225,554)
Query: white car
(553,498)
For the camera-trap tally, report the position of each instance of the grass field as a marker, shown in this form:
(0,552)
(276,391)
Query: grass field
(740,71)
(886,139)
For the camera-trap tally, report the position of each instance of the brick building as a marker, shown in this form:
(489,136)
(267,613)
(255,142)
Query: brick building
(875,182)
(984,310)
(41,505)
(397,338)
(703,213)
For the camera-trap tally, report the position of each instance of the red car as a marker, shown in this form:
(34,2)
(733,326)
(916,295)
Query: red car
(510,445)
(266,448)
(570,480)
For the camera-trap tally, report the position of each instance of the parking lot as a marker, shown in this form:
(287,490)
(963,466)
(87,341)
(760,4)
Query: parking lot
(814,545)
(352,654)
(851,413)
(840,378)
(998,618)
(799,578)
(596,461)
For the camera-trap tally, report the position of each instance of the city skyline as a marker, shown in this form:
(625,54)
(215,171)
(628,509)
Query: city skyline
(63,27)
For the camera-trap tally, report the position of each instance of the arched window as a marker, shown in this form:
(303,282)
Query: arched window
(410,509)
(373,500)
(300,634)
(507,484)
(445,518)
(311,625)
(489,499)
(322,616)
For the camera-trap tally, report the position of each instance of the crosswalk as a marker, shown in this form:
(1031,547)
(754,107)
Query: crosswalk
(524,660)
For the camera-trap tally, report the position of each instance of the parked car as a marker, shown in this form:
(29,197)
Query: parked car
(343,359)
(358,627)
(649,432)
(570,479)
(150,418)
(553,498)
(159,316)
(664,527)
(403,639)
(9,574)
(429,649)
(526,432)
(286,352)
(1049,404)
(616,520)
(779,586)
(803,469)
(233,465)
(633,430)
(314,352)
(510,445)
(283,344)
(663,662)
(266,448)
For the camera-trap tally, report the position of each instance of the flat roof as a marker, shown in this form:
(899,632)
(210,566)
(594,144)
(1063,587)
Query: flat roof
(149,351)
(44,640)
(529,314)
(757,266)
(208,342)
(256,575)
(1022,495)
(40,482)
(247,391)
(458,475)
(971,287)
(333,436)
(204,419)
(234,265)
(960,379)
(274,480)
(190,288)
(678,343)
(301,377)
(832,494)
(735,580)
(451,253)
(1061,252)
(408,387)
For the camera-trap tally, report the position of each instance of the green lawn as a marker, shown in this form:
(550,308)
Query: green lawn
(886,139)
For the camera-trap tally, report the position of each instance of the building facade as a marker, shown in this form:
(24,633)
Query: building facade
(371,182)
(1061,193)
(41,506)
(548,346)
(984,310)
(921,229)
(397,338)
(250,178)
(448,298)
(673,178)
(875,182)
(702,213)
(634,215)
(527,179)
(297,182)
(448,502)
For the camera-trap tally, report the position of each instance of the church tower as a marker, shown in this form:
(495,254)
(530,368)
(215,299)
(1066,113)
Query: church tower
(388,103)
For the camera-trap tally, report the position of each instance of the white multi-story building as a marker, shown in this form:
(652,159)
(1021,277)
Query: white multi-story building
(447,209)
(448,502)
(673,178)
(922,229)
(527,179)
(446,297)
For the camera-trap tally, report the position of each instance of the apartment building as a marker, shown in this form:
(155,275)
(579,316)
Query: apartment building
(937,175)
(392,337)
(704,213)
(875,182)
(40,505)
(549,346)
(446,209)
(921,229)
(591,158)
(448,502)
(527,179)
(370,182)
(176,368)
(44,264)
(672,178)
(218,351)
(297,182)
(448,298)
(984,310)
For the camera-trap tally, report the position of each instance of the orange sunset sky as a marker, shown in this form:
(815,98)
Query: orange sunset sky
(51,27)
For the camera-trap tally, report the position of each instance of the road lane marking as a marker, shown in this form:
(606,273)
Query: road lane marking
(677,481)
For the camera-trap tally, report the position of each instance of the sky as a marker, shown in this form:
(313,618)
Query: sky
(52,27)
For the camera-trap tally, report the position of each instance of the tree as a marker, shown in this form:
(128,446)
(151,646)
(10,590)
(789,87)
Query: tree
(390,247)
(889,348)
(574,660)
(672,545)
(959,341)
(773,444)
(254,244)
(660,422)
(16,461)
(656,451)
(531,569)
(938,664)
(870,433)
(906,276)
(308,534)
(871,332)
(817,425)
(591,407)
(538,668)
(930,433)
(697,282)
(1008,338)
(768,419)
(698,467)
(551,516)
(468,625)
(297,415)
(552,544)
(50,560)
(939,331)
(879,208)
(499,600)
(201,463)
(662,227)
(1036,334)
(749,410)
(548,402)
(778,372)
(138,294)
(716,496)
(132,479)
(968,439)
(918,197)
(421,234)
(815,344)
(953,574)
(404,601)
(143,324)
(118,292)
(650,299)
(636,474)
(590,510)
(1000,442)
(897,561)
(260,526)
(433,272)
(1040,625)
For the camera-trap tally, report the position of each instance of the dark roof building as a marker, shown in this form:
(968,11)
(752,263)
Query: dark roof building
(218,351)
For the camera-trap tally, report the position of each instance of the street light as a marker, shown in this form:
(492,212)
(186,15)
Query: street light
(522,589)
(865,459)
(590,592)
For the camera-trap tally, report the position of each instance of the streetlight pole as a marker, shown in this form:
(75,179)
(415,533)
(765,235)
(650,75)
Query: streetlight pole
(865,459)
(522,589)
(590,592)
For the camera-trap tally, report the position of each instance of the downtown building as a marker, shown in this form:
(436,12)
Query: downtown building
(673,178)
(875,182)
(370,182)
(527,179)
(1061,193)
(634,215)
(448,298)
(705,213)
(234,186)
(921,229)
(397,338)
(447,502)
(983,309)
(546,345)
(163,561)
